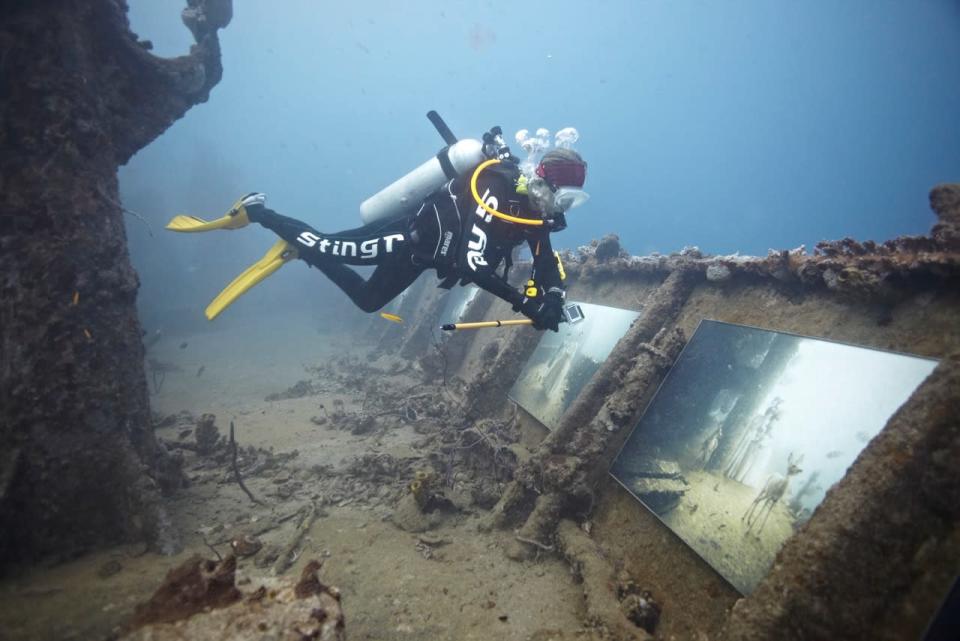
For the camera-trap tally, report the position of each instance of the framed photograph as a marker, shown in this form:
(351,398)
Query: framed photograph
(749,430)
(565,361)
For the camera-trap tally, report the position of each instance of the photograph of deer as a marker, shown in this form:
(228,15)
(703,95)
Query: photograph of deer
(749,430)
(773,490)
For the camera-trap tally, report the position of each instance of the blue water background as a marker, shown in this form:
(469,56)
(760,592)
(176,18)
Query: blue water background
(735,127)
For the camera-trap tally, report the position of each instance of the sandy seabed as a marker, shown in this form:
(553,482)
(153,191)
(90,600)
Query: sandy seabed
(460,586)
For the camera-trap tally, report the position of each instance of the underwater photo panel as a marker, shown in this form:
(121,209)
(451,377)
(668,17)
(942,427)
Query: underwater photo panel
(565,361)
(456,303)
(748,432)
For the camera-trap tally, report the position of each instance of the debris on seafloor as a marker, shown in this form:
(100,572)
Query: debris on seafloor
(427,546)
(288,555)
(299,390)
(422,488)
(200,600)
(236,470)
(449,476)
(637,603)
(467,460)
(217,459)
(629,612)
(424,506)
(245,545)
(193,586)
(207,435)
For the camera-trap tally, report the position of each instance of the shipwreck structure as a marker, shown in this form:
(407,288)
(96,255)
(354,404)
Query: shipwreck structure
(79,465)
(855,569)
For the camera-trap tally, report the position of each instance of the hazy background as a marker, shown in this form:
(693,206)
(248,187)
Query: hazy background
(733,127)
(835,399)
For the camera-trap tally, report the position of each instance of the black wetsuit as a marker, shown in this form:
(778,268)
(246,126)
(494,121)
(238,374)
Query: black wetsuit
(449,232)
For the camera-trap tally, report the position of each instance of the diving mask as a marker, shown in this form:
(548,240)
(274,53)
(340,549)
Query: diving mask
(550,201)
(566,198)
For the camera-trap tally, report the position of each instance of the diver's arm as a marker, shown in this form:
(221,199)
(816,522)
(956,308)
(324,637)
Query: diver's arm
(541,312)
(478,258)
(487,280)
(550,293)
(545,266)
(479,270)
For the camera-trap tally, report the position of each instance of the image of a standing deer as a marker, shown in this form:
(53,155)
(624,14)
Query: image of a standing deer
(773,490)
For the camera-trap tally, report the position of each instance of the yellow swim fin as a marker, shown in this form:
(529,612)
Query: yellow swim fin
(185,223)
(282,252)
(233,219)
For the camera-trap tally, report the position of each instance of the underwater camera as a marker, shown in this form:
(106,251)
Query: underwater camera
(572,313)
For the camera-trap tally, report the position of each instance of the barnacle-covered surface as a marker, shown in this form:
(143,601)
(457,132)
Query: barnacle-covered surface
(872,273)
(269,608)
(81,94)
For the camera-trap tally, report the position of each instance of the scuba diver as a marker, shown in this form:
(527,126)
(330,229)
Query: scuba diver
(465,230)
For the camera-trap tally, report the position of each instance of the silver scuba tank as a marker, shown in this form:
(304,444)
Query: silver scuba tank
(410,190)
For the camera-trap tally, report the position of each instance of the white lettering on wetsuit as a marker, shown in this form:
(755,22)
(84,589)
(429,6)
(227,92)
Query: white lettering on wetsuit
(478,241)
(369,249)
(491,201)
(476,248)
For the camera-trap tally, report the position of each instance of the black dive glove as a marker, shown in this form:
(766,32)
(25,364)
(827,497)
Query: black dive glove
(545,313)
(551,313)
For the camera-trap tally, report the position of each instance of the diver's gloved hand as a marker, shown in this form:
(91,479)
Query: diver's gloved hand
(529,307)
(545,312)
(551,312)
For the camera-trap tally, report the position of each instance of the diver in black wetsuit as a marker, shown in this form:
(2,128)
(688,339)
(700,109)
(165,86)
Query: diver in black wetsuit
(452,232)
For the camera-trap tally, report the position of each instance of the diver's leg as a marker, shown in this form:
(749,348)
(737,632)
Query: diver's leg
(367,245)
(388,280)
(385,245)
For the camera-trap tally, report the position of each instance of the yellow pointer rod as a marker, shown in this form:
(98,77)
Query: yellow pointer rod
(482,324)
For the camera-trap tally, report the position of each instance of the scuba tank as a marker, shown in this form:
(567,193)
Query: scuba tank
(409,191)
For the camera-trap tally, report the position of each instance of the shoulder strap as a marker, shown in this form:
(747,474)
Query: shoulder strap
(448,169)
